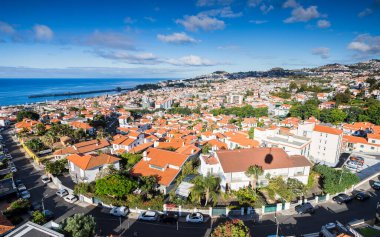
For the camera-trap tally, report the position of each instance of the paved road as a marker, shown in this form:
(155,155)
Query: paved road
(107,224)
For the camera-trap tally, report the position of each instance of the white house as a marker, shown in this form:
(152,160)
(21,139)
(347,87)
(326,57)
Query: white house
(85,168)
(4,122)
(231,165)
(326,144)
(282,111)
(123,144)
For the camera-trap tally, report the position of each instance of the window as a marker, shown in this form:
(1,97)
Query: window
(361,146)
(373,141)
(372,148)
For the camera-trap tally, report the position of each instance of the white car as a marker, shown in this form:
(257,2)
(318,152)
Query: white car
(71,198)
(25,194)
(21,187)
(62,192)
(195,217)
(119,211)
(45,179)
(149,216)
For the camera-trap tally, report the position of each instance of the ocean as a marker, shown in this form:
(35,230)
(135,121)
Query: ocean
(16,91)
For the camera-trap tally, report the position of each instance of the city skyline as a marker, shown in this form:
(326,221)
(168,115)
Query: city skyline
(167,39)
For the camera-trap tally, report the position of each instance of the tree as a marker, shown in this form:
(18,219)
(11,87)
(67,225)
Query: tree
(246,196)
(48,139)
(251,133)
(80,225)
(353,114)
(343,98)
(206,188)
(40,129)
(115,186)
(335,181)
(373,112)
(254,171)
(38,218)
(56,167)
(233,228)
(148,184)
(129,159)
(206,148)
(79,134)
(335,116)
(27,114)
(293,86)
(35,144)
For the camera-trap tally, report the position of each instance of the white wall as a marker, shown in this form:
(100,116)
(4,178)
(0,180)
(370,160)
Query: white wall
(325,148)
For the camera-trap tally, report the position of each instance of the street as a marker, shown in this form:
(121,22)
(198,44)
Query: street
(108,224)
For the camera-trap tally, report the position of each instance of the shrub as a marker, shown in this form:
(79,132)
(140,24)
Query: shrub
(38,218)
(234,228)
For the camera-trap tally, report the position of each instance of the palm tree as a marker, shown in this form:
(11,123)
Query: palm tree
(254,171)
(205,187)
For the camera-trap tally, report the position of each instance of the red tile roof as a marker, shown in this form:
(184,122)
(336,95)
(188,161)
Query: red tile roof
(267,158)
(326,129)
(87,162)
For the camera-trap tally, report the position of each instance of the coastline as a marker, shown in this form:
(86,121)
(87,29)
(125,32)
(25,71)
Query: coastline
(67,95)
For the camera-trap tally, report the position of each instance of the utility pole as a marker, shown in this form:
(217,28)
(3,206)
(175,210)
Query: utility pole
(277,224)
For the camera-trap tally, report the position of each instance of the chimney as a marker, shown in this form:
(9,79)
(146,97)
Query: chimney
(145,158)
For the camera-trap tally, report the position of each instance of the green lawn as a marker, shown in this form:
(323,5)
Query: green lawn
(369,232)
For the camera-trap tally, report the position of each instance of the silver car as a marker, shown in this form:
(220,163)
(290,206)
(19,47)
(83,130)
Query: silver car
(149,216)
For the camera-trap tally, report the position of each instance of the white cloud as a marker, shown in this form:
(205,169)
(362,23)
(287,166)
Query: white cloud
(365,12)
(122,55)
(201,21)
(6,28)
(108,40)
(177,38)
(254,3)
(266,9)
(149,18)
(323,24)
(129,20)
(258,22)
(225,12)
(301,14)
(191,60)
(366,44)
(207,3)
(290,4)
(321,51)
(43,33)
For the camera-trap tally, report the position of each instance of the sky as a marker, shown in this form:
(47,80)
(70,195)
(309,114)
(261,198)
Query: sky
(182,38)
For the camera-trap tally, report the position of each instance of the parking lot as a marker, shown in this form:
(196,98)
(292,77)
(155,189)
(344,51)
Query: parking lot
(370,164)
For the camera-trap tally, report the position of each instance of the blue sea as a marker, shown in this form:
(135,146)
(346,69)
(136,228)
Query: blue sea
(16,91)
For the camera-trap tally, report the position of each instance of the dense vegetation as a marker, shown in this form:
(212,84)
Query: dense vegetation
(27,114)
(243,112)
(233,228)
(335,181)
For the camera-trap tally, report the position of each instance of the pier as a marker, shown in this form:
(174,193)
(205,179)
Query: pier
(118,89)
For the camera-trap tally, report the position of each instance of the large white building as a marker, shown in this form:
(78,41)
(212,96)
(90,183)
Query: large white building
(326,144)
(231,165)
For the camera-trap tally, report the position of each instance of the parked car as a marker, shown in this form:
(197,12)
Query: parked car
(49,215)
(36,206)
(305,208)
(45,179)
(376,185)
(362,196)
(342,198)
(354,164)
(21,187)
(25,194)
(357,159)
(119,211)
(169,218)
(18,182)
(195,217)
(149,216)
(71,198)
(13,169)
(62,192)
